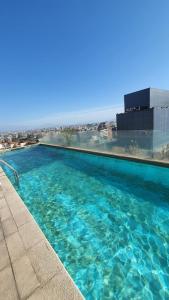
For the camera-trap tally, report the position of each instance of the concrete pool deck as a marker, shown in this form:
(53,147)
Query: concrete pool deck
(29,267)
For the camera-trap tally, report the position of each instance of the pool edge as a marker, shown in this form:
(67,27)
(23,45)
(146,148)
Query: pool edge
(111,155)
(49,273)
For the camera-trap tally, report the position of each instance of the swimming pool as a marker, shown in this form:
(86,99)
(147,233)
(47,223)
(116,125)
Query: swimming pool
(108,219)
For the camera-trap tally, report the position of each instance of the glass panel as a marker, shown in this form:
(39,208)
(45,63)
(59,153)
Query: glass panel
(150,144)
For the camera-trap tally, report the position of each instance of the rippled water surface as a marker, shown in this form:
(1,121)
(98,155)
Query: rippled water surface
(108,219)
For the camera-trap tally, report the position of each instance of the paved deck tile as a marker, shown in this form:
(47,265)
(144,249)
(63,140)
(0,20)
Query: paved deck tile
(2,174)
(9,226)
(4,213)
(58,288)
(2,202)
(22,217)
(4,258)
(30,234)
(25,276)
(8,289)
(1,233)
(15,246)
(15,209)
(44,261)
(5,183)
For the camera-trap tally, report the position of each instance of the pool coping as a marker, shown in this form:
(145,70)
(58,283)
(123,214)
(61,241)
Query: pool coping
(17,148)
(112,155)
(29,266)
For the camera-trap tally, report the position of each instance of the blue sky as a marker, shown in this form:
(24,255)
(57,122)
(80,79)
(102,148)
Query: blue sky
(68,61)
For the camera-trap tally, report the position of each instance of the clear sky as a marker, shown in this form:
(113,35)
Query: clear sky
(66,61)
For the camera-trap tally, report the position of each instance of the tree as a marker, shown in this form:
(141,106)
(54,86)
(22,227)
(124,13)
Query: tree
(67,134)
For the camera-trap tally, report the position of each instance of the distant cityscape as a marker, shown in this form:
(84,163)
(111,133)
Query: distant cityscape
(16,139)
(144,124)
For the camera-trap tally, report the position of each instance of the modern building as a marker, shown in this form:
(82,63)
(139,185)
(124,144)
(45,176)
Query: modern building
(145,119)
(147,109)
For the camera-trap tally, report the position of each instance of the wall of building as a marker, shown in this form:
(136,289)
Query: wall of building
(161,127)
(161,119)
(159,98)
(139,98)
(137,120)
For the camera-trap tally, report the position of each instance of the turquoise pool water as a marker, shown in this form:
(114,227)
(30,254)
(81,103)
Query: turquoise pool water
(107,219)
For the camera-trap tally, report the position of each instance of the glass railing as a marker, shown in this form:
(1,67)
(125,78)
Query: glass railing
(146,144)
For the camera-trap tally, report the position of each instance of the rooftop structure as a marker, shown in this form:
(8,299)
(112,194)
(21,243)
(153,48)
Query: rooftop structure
(146,109)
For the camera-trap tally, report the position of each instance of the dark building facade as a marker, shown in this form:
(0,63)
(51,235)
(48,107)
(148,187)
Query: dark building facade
(147,109)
